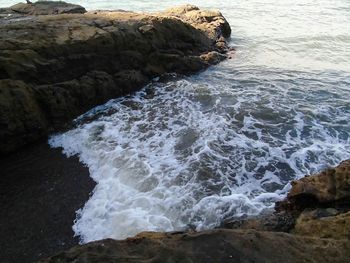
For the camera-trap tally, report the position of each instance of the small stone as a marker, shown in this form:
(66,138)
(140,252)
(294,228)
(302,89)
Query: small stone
(146,29)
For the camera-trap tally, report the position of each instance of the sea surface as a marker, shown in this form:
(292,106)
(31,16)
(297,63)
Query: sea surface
(195,151)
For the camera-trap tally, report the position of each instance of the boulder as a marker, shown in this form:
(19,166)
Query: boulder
(326,189)
(320,204)
(56,62)
(316,206)
(47,8)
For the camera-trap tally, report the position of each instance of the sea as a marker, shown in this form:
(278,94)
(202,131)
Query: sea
(193,152)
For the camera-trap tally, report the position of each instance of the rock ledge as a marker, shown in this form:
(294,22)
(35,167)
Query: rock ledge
(56,62)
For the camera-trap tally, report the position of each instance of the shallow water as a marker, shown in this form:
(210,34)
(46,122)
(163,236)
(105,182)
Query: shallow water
(190,153)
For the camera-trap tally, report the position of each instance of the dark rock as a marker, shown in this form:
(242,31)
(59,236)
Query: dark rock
(55,67)
(210,246)
(47,8)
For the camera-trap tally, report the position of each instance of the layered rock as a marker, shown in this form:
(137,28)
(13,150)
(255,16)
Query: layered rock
(55,67)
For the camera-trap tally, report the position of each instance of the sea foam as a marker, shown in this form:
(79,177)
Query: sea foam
(190,154)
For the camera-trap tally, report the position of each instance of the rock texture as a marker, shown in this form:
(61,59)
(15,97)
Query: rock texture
(55,67)
(317,206)
(45,8)
(324,224)
(330,187)
(321,203)
(239,246)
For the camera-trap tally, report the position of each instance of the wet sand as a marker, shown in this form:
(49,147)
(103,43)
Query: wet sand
(40,190)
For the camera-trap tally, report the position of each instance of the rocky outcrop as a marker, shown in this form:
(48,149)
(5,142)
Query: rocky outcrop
(317,206)
(44,8)
(55,67)
(321,204)
(329,188)
(210,246)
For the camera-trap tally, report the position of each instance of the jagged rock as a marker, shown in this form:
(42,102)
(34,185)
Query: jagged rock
(320,203)
(316,206)
(210,246)
(64,64)
(326,189)
(204,20)
(213,57)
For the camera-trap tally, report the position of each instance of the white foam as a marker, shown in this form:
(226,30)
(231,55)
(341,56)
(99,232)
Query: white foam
(190,157)
(226,142)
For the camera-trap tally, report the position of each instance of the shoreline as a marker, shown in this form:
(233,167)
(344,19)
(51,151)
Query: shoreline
(59,61)
(100,56)
(40,191)
(310,225)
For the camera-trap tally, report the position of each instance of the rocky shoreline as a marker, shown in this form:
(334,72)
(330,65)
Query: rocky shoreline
(311,225)
(58,61)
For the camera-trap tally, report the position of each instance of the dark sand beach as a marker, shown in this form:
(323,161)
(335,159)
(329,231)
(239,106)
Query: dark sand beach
(40,190)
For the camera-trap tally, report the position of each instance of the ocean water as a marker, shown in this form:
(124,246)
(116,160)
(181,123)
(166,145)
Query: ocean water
(195,151)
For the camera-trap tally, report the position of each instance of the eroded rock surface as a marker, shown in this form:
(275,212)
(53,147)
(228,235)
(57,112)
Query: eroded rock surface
(55,67)
(321,203)
(316,206)
(324,224)
(45,8)
(331,186)
(241,246)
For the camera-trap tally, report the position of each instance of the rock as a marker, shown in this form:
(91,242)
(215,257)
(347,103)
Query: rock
(326,189)
(47,8)
(316,206)
(20,114)
(276,222)
(204,20)
(55,67)
(213,57)
(323,224)
(210,246)
(146,29)
(320,204)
